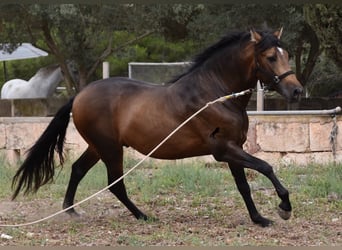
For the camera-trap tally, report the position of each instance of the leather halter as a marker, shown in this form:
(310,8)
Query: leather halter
(275,78)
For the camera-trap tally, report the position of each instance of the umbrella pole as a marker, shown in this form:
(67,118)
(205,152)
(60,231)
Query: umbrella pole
(5,70)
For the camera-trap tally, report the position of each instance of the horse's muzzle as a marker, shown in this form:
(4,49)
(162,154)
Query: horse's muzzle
(297,92)
(292,91)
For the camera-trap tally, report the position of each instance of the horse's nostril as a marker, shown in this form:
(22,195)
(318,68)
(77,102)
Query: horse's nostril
(297,91)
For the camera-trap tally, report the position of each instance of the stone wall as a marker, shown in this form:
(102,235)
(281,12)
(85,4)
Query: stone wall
(294,139)
(277,139)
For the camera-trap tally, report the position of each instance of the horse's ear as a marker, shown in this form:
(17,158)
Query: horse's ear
(278,33)
(255,36)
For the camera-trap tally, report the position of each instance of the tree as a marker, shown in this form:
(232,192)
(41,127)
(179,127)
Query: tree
(84,34)
(326,21)
(88,34)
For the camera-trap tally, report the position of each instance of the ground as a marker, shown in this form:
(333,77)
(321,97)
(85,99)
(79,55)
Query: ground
(105,222)
(192,206)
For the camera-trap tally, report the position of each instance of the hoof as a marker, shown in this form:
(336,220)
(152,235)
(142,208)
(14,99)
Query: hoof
(263,222)
(147,218)
(285,215)
(72,213)
(142,217)
(266,223)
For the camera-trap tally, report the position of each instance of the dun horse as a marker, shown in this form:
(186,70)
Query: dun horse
(118,112)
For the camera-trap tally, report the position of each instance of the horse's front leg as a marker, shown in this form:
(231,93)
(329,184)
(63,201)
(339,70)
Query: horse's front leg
(238,159)
(241,183)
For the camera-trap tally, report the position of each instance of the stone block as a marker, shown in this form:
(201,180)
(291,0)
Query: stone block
(274,159)
(74,145)
(23,135)
(251,145)
(320,136)
(283,137)
(2,136)
(339,135)
(11,157)
(300,159)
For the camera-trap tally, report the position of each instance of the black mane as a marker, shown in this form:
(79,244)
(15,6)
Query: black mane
(268,40)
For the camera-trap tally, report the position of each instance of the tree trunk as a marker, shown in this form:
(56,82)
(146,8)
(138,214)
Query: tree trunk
(83,78)
(309,35)
(59,56)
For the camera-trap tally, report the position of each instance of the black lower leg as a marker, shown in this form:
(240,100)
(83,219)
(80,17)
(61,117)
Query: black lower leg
(244,189)
(114,171)
(119,190)
(264,168)
(285,207)
(79,170)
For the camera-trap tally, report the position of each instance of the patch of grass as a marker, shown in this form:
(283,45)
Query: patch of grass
(326,182)
(313,181)
(95,179)
(182,180)
(312,188)
(152,179)
(6,173)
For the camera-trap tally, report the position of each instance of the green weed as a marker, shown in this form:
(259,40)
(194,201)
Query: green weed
(183,180)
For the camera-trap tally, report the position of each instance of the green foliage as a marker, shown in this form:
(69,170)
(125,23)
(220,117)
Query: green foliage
(91,34)
(150,49)
(6,172)
(215,20)
(326,79)
(312,181)
(329,184)
(326,20)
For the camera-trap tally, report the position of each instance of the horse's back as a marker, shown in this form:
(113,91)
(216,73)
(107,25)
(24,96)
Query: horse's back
(114,88)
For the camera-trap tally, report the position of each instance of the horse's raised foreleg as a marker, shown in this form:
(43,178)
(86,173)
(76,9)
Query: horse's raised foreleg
(79,169)
(233,154)
(245,191)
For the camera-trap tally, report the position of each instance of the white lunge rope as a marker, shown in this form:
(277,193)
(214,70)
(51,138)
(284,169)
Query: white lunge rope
(220,99)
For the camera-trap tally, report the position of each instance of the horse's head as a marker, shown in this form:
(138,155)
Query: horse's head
(272,65)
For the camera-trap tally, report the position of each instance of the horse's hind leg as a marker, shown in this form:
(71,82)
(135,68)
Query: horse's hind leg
(79,169)
(113,159)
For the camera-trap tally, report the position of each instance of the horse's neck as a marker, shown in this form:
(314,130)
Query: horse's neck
(236,77)
(45,84)
(210,81)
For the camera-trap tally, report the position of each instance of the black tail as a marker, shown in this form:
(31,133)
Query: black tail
(39,167)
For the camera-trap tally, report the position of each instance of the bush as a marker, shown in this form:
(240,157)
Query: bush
(326,80)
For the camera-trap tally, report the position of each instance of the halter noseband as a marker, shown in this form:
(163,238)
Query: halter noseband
(275,78)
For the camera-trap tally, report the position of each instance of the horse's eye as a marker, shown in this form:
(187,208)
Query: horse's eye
(271,59)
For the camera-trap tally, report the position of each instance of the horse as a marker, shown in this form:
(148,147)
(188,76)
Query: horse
(119,112)
(41,85)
